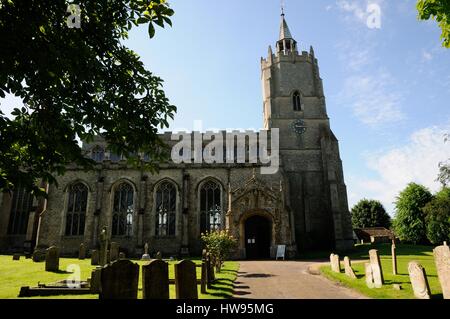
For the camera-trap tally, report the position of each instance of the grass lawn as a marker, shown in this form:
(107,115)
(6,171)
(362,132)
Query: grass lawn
(405,254)
(15,274)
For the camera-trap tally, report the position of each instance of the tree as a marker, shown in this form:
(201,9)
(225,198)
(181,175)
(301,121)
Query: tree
(220,245)
(409,222)
(370,213)
(76,83)
(438,10)
(437,218)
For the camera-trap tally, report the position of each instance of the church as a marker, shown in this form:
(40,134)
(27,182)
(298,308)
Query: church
(303,205)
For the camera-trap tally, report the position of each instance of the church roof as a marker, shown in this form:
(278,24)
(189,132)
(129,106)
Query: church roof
(285,33)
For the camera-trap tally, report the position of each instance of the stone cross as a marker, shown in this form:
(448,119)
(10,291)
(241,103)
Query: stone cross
(335,263)
(114,251)
(119,280)
(419,281)
(377,271)
(82,252)
(155,280)
(103,246)
(186,280)
(442,261)
(348,268)
(394,258)
(94,258)
(369,275)
(146,256)
(52,259)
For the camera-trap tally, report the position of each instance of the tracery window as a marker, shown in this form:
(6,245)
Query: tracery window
(166,204)
(22,202)
(122,223)
(210,207)
(76,210)
(297,101)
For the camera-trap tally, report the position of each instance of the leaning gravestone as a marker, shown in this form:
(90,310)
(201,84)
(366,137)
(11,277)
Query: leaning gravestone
(119,280)
(369,275)
(348,268)
(94,258)
(52,259)
(419,281)
(155,280)
(377,271)
(82,252)
(186,280)
(114,251)
(335,263)
(442,260)
(16,257)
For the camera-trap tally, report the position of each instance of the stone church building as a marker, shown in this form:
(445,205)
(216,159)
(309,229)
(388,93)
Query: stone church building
(303,205)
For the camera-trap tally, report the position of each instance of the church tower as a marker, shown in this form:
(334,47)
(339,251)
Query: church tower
(294,102)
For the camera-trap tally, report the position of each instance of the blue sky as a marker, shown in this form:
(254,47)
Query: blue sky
(387,89)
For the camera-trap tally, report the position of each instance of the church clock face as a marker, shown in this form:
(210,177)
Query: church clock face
(299,127)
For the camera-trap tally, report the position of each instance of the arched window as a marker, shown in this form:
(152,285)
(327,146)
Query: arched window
(210,207)
(98,154)
(76,210)
(297,101)
(122,223)
(22,202)
(166,204)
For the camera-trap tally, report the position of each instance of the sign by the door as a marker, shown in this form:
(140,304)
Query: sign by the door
(281,250)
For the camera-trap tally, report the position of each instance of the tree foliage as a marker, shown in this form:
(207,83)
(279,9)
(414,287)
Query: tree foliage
(438,10)
(409,223)
(369,213)
(220,245)
(76,83)
(437,218)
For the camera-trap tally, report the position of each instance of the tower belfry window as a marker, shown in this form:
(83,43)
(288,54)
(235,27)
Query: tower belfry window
(297,101)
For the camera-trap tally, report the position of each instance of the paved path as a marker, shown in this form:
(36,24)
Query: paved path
(286,280)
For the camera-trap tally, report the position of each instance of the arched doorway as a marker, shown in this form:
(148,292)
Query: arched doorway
(258,235)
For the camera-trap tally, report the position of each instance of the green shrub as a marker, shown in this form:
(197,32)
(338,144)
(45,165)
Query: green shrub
(220,245)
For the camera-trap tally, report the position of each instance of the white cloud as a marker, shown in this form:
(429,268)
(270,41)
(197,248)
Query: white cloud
(417,161)
(372,98)
(357,9)
(427,56)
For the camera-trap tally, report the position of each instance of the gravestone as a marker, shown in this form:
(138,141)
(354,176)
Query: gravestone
(369,275)
(377,271)
(52,259)
(204,277)
(114,251)
(419,281)
(39,255)
(104,243)
(96,280)
(210,269)
(155,280)
(108,256)
(186,280)
(16,257)
(119,280)
(442,261)
(335,263)
(394,258)
(95,258)
(146,255)
(159,255)
(348,268)
(122,256)
(82,252)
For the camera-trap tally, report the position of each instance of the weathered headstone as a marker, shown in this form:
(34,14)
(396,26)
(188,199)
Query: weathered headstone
(159,255)
(16,257)
(82,252)
(122,256)
(114,251)
(52,259)
(95,258)
(104,243)
(335,263)
(204,277)
(377,271)
(146,255)
(155,280)
(348,268)
(442,261)
(419,281)
(96,280)
(119,280)
(186,280)
(210,270)
(369,275)
(394,258)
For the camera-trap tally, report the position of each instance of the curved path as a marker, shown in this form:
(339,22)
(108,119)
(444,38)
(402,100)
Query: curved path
(286,280)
